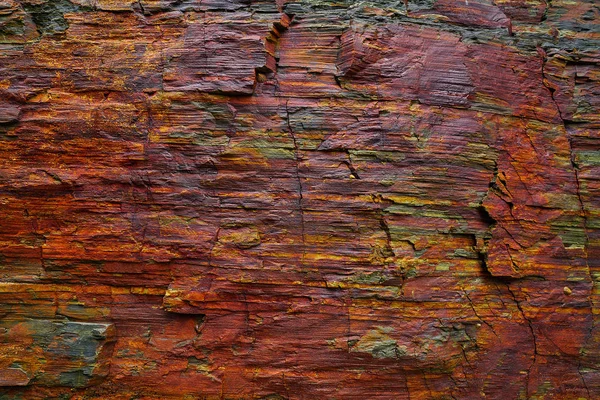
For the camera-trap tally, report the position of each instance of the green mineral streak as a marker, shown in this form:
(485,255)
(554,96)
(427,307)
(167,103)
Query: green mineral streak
(422,212)
(208,140)
(266,144)
(411,273)
(373,278)
(562,201)
(372,155)
(270,148)
(570,230)
(275,153)
(200,139)
(443,266)
(463,253)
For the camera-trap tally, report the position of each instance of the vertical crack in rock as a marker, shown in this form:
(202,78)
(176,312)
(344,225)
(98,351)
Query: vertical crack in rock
(533,337)
(42,260)
(389,248)
(477,314)
(424,375)
(456,385)
(583,213)
(575,167)
(348,162)
(497,183)
(383,224)
(298,179)
(386,228)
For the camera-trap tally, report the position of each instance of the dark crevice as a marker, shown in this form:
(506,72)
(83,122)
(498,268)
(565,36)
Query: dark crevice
(298,179)
(481,243)
(389,249)
(348,163)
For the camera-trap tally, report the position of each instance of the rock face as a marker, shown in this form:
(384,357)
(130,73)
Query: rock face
(314,199)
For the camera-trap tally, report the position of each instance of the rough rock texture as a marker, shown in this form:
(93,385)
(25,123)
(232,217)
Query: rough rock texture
(315,199)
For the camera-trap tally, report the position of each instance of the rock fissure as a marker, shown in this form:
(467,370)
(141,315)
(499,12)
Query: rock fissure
(298,180)
(533,337)
(477,314)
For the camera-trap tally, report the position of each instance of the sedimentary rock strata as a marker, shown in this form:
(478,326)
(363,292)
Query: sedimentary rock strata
(313,199)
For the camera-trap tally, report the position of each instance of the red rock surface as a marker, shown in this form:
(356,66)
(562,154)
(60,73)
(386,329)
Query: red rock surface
(241,199)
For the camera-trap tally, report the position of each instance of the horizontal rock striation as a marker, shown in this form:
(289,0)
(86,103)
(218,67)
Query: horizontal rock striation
(312,199)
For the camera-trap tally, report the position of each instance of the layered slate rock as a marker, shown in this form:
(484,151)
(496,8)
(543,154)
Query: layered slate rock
(304,199)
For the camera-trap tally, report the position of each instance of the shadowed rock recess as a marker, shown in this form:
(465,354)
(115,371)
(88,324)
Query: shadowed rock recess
(314,199)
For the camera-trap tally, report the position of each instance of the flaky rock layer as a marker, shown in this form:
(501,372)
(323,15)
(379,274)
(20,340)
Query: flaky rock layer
(313,199)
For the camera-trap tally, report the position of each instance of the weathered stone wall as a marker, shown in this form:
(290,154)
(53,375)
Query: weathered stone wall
(315,199)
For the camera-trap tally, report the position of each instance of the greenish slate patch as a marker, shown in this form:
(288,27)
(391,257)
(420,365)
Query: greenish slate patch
(562,201)
(385,349)
(49,16)
(373,278)
(11,26)
(593,222)
(74,354)
(78,378)
(202,138)
(217,116)
(570,230)
(588,158)
(443,266)
(379,344)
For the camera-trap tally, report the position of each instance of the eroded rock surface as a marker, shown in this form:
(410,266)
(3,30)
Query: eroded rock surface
(314,199)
